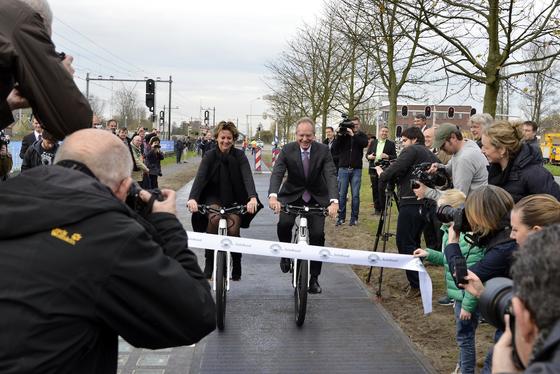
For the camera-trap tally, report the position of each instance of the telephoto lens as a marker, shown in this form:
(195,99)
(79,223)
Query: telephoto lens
(495,301)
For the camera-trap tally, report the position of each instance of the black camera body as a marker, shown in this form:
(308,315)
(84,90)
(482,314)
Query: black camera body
(384,163)
(447,214)
(345,125)
(4,139)
(460,267)
(439,180)
(494,304)
(135,203)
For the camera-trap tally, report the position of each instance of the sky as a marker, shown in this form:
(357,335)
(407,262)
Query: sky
(215,50)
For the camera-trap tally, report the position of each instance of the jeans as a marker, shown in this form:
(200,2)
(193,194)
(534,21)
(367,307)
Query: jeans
(487,368)
(465,335)
(354,178)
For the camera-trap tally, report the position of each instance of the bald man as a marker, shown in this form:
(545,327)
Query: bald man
(79,268)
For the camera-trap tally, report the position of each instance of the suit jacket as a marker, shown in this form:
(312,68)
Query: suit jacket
(321,181)
(26,142)
(389,149)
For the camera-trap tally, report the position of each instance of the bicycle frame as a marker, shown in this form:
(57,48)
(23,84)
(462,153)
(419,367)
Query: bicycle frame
(222,230)
(302,239)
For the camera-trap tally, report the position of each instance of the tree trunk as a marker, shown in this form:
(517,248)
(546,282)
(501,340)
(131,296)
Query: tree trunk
(392,120)
(491,96)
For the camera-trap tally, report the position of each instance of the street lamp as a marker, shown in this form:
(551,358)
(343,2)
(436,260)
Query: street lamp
(249,117)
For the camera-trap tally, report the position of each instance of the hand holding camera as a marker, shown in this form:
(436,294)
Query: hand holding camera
(165,205)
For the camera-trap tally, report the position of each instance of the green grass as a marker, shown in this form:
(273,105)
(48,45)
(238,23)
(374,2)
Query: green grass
(554,169)
(171,159)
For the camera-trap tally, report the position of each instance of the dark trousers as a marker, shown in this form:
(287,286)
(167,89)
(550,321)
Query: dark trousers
(316,226)
(377,191)
(433,235)
(153,181)
(409,231)
(178,154)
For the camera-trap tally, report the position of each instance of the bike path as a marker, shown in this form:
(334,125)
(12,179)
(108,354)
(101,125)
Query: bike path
(344,330)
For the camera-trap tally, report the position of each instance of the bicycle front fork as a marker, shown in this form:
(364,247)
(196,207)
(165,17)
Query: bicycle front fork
(302,239)
(222,230)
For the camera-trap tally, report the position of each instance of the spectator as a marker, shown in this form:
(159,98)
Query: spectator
(179,147)
(208,144)
(41,152)
(349,146)
(224,179)
(429,135)
(477,123)
(153,161)
(420,121)
(379,149)
(530,135)
(29,139)
(467,167)
(487,210)
(142,172)
(535,304)
(123,135)
(514,165)
(112,125)
(466,305)
(96,122)
(6,161)
(410,221)
(80,270)
(33,73)
(329,140)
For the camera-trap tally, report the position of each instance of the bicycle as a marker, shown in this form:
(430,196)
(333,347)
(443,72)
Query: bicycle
(300,268)
(222,260)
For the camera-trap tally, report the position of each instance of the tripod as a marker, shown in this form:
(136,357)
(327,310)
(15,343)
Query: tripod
(383,233)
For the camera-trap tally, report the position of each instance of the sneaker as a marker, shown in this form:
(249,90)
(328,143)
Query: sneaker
(285,265)
(339,222)
(445,301)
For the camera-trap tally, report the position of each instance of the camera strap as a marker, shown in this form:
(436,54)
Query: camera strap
(76,165)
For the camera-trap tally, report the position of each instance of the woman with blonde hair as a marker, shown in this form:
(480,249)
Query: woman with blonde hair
(466,305)
(514,165)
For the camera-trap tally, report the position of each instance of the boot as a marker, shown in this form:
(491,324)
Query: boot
(208,264)
(236,266)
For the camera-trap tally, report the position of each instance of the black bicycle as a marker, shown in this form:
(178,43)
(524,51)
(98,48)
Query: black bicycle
(222,260)
(300,268)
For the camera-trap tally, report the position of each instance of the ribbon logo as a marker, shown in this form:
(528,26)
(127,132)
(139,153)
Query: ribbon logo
(275,249)
(324,254)
(226,244)
(373,258)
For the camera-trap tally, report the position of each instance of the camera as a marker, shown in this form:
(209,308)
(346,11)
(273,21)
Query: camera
(440,179)
(446,214)
(345,125)
(495,303)
(136,203)
(4,139)
(47,158)
(460,267)
(384,163)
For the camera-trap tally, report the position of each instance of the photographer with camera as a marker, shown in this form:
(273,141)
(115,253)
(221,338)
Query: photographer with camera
(410,221)
(349,146)
(529,308)
(380,149)
(486,214)
(467,167)
(153,161)
(466,305)
(79,267)
(41,152)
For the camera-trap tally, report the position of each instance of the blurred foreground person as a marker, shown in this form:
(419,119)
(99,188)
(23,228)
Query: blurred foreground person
(79,267)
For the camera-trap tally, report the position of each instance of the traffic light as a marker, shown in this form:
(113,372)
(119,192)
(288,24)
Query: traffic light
(161,117)
(428,111)
(473,111)
(206,117)
(404,111)
(150,94)
(450,112)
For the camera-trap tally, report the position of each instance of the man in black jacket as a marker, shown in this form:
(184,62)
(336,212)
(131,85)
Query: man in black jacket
(79,267)
(349,146)
(31,138)
(411,221)
(33,74)
(41,152)
(380,149)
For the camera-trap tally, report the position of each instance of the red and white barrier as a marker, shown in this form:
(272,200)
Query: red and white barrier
(258,160)
(275,153)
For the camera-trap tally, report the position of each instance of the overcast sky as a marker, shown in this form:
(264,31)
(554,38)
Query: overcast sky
(215,50)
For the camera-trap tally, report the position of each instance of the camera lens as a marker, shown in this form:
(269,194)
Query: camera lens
(495,301)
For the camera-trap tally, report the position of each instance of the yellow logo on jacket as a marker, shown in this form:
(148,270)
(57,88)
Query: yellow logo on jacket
(63,235)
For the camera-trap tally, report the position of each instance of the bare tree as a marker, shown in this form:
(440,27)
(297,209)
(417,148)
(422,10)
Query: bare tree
(129,111)
(97,105)
(479,40)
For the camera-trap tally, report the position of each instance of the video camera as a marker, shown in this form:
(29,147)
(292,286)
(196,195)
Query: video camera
(446,214)
(384,163)
(494,304)
(4,139)
(440,179)
(345,125)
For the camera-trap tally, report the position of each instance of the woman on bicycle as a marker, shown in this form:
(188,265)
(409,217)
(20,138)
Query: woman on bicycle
(224,179)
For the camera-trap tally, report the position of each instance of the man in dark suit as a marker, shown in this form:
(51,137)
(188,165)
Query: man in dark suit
(29,139)
(311,181)
(381,148)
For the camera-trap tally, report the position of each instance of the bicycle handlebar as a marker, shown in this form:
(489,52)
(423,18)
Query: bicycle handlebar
(305,210)
(237,209)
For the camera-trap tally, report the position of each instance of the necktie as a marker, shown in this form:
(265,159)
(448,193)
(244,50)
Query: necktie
(306,195)
(40,138)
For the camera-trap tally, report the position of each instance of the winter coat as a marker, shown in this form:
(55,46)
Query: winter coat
(547,359)
(525,175)
(472,253)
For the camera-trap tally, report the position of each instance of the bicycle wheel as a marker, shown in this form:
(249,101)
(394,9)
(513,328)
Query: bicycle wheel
(300,292)
(221,274)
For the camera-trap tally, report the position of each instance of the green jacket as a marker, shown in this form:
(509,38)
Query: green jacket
(469,302)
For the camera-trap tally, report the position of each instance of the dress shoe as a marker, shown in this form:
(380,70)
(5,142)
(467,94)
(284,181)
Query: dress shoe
(285,264)
(314,285)
(353,222)
(339,222)
(236,268)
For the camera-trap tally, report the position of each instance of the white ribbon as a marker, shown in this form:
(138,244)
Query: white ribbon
(316,253)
